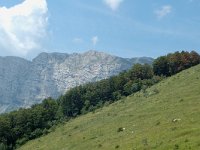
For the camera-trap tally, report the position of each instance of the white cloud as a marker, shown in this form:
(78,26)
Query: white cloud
(22,26)
(95,40)
(113,4)
(163,11)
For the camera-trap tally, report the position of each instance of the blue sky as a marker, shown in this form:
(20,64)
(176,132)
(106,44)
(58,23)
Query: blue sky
(126,28)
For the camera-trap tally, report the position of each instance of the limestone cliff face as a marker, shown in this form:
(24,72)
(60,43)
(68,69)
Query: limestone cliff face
(13,72)
(23,82)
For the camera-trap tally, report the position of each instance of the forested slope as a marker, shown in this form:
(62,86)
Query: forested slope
(20,126)
(165,116)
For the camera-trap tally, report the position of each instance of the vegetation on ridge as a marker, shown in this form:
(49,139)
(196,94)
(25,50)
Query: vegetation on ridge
(164,120)
(25,124)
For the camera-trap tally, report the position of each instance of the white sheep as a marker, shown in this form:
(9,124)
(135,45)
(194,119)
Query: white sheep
(176,120)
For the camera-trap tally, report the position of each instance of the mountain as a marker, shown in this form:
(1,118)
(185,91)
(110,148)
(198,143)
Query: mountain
(165,119)
(24,83)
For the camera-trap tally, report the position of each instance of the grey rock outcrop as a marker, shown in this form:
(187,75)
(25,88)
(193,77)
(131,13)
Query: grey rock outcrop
(24,83)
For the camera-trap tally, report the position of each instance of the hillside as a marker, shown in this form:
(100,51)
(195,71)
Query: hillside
(52,74)
(166,116)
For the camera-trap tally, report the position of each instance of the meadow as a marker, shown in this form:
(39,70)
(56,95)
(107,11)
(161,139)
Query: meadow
(165,116)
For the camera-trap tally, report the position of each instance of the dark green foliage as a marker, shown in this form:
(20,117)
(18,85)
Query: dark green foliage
(100,145)
(176,146)
(3,146)
(158,123)
(161,66)
(117,146)
(135,87)
(141,72)
(21,141)
(72,103)
(87,98)
(25,124)
(20,126)
(120,129)
(174,63)
(116,95)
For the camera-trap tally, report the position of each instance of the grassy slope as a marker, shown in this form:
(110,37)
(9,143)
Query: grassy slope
(147,121)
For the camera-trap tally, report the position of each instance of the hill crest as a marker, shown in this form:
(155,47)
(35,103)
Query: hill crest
(166,119)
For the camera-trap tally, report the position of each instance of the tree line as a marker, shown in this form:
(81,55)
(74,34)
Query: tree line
(19,126)
(175,62)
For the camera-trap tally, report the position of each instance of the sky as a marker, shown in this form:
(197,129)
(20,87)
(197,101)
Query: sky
(126,28)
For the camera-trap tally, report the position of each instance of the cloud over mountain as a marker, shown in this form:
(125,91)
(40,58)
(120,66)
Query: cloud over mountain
(22,26)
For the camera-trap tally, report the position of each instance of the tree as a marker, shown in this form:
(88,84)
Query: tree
(185,61)
(194,58)
(72,102)
(3,146)
(51,107)
(139,71)
(175,62)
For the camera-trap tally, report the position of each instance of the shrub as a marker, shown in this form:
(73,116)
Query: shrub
(38,132)
(3,146)
(120,129)
(45,131)
(136,87)
(176,146)
(99,145)
(21,141)
(117,95)
(158,123)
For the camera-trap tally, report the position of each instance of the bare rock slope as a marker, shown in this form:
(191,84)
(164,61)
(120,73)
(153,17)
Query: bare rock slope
(24,83)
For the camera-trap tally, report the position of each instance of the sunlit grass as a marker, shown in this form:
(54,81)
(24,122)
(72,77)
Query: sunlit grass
(166,116)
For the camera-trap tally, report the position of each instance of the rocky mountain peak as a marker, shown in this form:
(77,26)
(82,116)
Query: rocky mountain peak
(24,83)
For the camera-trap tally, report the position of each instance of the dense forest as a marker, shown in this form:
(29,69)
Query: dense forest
(22,125)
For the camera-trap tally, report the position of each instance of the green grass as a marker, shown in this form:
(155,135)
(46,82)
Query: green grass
(147,119)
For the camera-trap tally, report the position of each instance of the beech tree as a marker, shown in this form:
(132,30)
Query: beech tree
(175,62)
